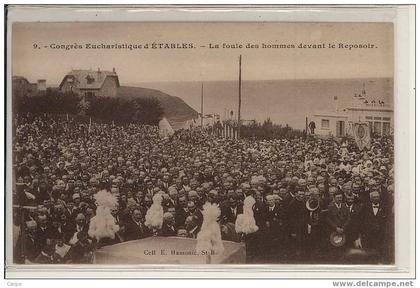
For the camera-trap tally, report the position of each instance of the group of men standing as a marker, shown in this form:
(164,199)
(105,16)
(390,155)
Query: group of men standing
(316,201)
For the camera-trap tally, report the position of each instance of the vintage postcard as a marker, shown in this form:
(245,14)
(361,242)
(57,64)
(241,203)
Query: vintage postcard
(202,143)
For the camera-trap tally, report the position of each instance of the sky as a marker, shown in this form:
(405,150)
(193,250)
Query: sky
(203,63)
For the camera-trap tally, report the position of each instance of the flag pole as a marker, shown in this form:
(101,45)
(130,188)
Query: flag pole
(202,108)
(240,97)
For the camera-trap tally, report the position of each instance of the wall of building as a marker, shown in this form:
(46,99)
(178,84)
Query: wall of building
(380,121)
(42,85)
(326,125)
(22,87)
(109,88)
(69,86)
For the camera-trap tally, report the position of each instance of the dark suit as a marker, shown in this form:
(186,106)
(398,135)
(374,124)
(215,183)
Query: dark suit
(44,259)
(75,228)
(254,242)
(180,215)
(260,215)
(337,217)
(353,222)
(167,230)
(297,224)
(80,253)
(170,203)
(275,216)
(229,214)
(135,230)
(296,216)
(31,249)
(372,227)
(197,213)
(41,236)
(64,230)
(193,232)
(275,234)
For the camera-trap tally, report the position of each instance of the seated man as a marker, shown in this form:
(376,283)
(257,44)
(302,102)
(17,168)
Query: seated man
(168,226)
(47,253)
(191,225)
(82,251)
(135,228)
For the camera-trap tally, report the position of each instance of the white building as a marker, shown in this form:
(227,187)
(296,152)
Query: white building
(377,114)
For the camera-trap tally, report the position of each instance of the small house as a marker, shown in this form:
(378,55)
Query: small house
(91,83)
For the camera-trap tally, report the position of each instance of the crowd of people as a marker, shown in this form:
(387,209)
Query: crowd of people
(317,200)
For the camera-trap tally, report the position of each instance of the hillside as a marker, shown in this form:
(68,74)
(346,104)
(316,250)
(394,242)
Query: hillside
(176,110)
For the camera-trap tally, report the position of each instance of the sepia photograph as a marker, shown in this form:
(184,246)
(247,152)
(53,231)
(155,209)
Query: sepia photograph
(202,143)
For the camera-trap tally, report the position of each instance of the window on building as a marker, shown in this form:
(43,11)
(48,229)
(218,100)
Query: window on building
(369,117)
(340,128)
(377,128)
(386,128)
(370,127)
(89,94)
(325,123)
(90,79)
(377,118)
(386,118)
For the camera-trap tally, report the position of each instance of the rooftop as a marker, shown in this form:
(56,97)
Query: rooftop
(89,79)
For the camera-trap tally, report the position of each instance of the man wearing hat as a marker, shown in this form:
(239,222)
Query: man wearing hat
(337,220)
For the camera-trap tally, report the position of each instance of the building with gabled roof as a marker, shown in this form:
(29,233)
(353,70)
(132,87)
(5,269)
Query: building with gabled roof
(22,87)
(91,83)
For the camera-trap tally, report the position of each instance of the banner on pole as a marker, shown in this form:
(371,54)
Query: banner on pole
(362,135)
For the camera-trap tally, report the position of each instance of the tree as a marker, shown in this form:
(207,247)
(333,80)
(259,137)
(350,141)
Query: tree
(109,109)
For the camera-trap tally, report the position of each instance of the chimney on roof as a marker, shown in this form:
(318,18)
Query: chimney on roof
(113,69)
